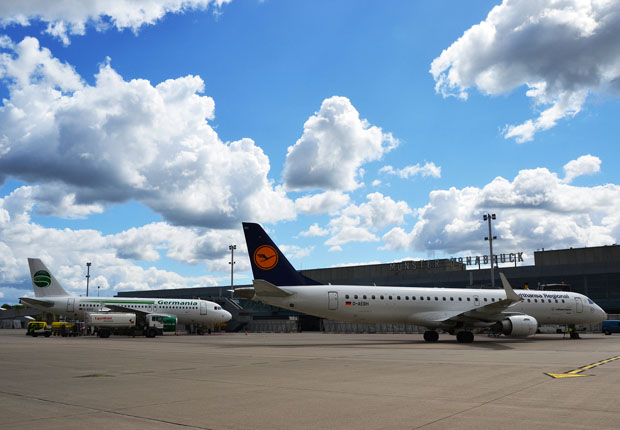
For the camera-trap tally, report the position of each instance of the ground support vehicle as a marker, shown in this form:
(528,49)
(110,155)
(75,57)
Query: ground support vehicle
(151,325)
(611,326)
(38,328)
(65,328)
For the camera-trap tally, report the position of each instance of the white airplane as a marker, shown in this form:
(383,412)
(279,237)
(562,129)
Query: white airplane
(455,310)
(50,296)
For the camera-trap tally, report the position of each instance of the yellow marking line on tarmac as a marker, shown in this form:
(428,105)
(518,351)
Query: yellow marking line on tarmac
(576,373)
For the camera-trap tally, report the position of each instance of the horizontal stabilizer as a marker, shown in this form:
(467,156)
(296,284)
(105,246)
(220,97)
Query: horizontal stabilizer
(264,288)
(36,302)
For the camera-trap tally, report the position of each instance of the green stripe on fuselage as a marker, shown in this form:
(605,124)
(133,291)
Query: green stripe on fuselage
(119,302)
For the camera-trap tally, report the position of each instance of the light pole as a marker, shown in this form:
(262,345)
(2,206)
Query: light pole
(232,265)
(87,276)
(490,238)
(97,290)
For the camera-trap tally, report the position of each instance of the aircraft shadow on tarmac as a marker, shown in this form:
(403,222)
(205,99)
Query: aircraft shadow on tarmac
(501,343)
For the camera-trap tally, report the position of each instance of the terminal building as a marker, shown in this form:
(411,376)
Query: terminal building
(593,271)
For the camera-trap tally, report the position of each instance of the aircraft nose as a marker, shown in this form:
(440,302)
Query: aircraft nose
(226,316)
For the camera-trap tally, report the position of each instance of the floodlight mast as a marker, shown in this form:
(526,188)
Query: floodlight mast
(87,276)
(232,265)
(490,238)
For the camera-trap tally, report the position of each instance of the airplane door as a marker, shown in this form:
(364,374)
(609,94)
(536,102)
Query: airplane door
(70,305)
(203,308)
(579,305)
(476,300)
(332,300)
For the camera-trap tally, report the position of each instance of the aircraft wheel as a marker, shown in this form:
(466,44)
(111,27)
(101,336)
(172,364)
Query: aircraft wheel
(465,337)
(431,336)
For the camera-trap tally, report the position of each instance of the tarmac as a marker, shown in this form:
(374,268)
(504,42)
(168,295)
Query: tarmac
(308,381)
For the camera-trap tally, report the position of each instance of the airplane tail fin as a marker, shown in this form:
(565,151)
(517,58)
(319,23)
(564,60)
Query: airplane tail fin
(43,282)
(268,262)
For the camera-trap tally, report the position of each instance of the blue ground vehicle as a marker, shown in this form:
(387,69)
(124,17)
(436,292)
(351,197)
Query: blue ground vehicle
(611,326)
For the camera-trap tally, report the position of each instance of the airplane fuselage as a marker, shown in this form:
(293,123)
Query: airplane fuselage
(187,311)
(429,306)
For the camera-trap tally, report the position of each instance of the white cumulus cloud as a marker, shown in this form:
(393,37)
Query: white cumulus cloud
(584,165)
(327,202)
(560,50)
(71,17)
(314,230)
(65,252)
(119,140)
(536,209)
(428,169)
(356,223)
(334,146)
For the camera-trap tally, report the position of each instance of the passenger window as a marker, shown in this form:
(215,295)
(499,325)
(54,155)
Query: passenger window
(535,300)
(451,299)
(444,299)
(364,296)
(468,299)
(406,297)
(428,298)
(397,297)
(563,301)
(355,296)
(346,297)
(381,297)
(528,300)
(460,299)
(373,296)
(556,300)
(390,297)
(412,297)
(549,300)
(485,299)
(421,298)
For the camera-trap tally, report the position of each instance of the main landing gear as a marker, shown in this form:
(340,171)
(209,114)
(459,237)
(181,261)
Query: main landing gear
(431,336)
(465,337)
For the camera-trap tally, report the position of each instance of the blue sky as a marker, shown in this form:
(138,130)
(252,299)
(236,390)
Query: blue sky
(354,131)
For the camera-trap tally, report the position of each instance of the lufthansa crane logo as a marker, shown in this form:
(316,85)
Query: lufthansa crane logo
(266,257)
(42,279)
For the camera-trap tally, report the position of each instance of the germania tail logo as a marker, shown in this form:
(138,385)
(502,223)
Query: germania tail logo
(266,257)
(42,279)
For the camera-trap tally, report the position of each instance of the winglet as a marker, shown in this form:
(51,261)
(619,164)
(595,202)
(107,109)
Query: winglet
(510,293)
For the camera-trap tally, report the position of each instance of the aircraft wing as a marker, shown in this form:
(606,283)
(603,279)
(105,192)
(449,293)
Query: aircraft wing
(118,308)
(36,302)
(495,311)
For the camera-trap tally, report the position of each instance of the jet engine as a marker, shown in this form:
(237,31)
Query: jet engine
(517,326)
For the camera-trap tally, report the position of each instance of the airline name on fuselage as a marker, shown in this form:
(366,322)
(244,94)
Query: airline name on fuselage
(544,296)
(176,302)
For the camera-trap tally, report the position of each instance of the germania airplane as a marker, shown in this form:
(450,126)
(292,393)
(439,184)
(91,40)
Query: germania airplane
(50,296)
(458,311)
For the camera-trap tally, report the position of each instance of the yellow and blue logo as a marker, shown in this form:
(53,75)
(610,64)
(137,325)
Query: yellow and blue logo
(266,257)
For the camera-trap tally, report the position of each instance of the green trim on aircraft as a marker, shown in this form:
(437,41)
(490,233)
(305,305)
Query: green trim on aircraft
(42,279)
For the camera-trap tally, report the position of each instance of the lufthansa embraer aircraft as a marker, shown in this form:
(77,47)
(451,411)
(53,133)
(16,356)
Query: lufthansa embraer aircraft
(52,297)
(456,310)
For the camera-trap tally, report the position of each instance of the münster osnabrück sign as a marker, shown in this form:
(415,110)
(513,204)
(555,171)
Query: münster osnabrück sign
(512,257)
